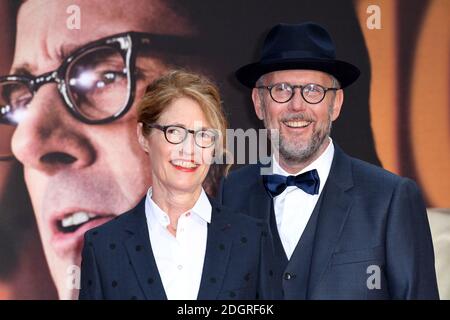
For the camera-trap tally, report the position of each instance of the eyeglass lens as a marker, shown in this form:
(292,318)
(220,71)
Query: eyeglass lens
(97,88)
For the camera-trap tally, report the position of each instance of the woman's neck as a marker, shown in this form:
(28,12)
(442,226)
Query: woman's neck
(174,202)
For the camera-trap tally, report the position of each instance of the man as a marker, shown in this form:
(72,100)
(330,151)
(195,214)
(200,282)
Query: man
(342,228)
(76,128)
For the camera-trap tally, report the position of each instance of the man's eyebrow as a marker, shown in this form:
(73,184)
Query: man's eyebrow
(22,70)
(67,49)
(62,53)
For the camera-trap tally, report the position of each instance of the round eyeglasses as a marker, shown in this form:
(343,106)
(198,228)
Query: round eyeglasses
(311,92)
(175,134)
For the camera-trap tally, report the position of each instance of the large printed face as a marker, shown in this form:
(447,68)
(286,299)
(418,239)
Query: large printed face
(80,175)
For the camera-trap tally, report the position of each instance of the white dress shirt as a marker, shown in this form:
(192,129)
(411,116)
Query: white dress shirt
(179,258)
(294,207)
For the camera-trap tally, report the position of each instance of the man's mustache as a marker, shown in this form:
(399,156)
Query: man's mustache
(298,117)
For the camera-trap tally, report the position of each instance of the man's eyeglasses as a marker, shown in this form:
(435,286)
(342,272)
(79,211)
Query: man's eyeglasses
(97,82)
(311,92)
(175,134)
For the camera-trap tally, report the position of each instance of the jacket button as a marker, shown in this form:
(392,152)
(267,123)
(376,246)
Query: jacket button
(289,276)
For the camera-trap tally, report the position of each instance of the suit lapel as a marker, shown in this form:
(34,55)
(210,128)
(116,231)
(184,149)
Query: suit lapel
(332,216)
(141,255)
(262,204)
(217,254)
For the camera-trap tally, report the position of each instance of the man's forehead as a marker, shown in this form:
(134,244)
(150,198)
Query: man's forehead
(155,14)
(301,75)
(43,32)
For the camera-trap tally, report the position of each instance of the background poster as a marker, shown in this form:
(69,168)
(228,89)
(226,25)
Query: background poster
(397,115)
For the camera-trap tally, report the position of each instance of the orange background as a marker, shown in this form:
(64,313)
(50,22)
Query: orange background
(409,99)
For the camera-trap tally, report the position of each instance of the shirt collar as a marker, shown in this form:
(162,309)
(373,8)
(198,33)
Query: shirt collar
(322,164)
(202,208)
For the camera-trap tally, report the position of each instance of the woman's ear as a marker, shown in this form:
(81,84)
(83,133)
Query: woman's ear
(141,137)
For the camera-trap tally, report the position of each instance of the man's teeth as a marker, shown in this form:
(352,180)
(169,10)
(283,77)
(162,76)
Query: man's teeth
(184,164)
(297,124)
(77,218)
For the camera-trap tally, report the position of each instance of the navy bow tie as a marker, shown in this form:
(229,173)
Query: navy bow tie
(308,181)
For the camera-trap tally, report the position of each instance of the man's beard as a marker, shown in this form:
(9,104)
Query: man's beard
(295,152)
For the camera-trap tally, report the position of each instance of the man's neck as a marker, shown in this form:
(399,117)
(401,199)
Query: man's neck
(295,167)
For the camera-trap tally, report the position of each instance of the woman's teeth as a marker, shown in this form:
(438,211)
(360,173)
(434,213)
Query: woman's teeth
(185,164)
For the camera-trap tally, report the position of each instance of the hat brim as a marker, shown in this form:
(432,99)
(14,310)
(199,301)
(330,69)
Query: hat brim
(344,72)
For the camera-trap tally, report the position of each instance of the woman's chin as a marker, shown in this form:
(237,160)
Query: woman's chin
(185,186)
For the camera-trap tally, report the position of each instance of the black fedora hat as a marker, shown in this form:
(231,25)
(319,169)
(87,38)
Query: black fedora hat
(298,46)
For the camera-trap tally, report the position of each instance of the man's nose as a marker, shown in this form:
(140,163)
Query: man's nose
(48,138)
(297,103)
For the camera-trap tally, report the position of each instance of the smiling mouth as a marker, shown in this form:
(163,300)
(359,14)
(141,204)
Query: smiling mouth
(297,124)
(76,220)
(191,165)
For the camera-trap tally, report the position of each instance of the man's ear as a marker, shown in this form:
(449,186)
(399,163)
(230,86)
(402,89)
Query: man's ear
(141,137)
(257,104)
(337,105)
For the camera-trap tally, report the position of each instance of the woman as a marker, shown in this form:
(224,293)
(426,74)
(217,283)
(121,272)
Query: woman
(177,243)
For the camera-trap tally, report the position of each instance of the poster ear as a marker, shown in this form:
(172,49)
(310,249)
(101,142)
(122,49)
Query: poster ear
(141,137)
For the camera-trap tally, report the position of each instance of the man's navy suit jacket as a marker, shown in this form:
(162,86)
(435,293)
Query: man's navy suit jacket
(370,240)
(118,263)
